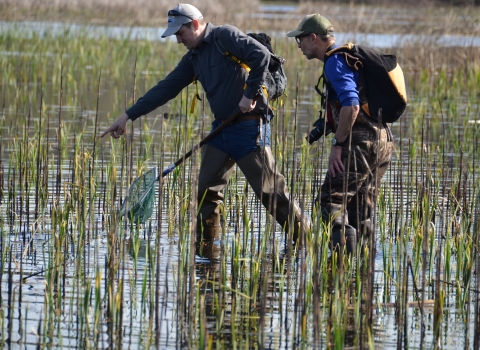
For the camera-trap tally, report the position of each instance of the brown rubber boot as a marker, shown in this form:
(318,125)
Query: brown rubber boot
(350,238)
(260,169)
(208,250)
(208,229)
(366,229)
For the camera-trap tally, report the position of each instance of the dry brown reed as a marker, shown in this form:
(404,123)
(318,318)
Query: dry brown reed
(425,17)
(413,57)
(114,12)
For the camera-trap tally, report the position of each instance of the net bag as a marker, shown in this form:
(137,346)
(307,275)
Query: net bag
(140,200)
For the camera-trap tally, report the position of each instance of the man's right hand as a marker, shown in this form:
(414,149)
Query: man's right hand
(335,165)
(118,128)
(247,104)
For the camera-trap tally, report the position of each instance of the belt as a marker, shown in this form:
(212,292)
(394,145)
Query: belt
(246,117)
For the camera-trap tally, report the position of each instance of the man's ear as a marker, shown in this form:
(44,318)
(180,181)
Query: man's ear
(195,24)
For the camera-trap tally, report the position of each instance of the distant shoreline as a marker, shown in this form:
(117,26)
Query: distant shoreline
(44,28)
(424,19)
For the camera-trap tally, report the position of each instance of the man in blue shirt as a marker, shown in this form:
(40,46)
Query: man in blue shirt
(228,87)
(361,148)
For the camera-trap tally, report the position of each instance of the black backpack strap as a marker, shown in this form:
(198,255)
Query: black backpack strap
(321,90)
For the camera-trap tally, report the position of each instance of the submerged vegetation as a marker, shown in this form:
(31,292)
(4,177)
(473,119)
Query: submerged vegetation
(75,274)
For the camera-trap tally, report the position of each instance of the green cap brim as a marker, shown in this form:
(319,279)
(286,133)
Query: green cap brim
(295,33)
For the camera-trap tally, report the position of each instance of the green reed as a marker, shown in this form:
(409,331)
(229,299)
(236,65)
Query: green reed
(426,209)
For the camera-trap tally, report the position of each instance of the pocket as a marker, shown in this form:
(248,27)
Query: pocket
(247,132)
(250,132)
(365,154)
(264,136)
(248,128)
(221,68)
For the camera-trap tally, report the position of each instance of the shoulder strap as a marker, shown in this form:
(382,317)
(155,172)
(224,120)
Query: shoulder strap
(357,65)
(197,95)
(347,47)
(235,59)
(224,52)
(324,112)
(346,51)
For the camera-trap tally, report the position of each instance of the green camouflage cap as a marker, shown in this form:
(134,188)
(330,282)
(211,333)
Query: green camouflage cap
(314,23)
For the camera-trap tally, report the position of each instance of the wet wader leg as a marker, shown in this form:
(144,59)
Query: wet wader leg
(215,172)
(362,204)
(259,165)
(331,198)
(333,209)
(331,202)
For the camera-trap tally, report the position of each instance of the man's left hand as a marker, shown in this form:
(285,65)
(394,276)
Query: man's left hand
(335,165)
(247,104)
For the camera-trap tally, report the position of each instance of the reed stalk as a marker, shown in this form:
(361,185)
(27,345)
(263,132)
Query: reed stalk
(62,230)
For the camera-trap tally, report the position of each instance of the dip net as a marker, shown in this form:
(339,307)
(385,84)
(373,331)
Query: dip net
(140,200)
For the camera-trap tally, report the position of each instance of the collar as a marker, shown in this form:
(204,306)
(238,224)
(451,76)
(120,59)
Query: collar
(330,48)
(208,37)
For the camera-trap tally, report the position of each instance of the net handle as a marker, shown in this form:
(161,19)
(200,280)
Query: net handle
(187,155)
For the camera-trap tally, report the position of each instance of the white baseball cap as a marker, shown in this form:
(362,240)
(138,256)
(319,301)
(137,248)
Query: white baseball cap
(180,15)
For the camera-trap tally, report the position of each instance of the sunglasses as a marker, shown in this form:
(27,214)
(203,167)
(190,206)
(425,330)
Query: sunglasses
(175,13)
(298,37)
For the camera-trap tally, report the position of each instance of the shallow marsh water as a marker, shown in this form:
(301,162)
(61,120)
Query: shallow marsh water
(155,291)
(378,40)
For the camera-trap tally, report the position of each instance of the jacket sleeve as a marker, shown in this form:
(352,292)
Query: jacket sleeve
(250,51)
(343,80)
(165,90)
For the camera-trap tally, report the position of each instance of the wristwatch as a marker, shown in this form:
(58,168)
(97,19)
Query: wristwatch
(335,142)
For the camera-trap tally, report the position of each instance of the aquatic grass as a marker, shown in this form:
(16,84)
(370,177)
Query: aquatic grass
(251,287)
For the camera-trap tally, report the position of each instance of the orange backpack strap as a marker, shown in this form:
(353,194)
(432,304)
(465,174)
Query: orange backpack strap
(197,96)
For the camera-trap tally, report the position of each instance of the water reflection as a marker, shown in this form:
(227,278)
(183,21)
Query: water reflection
(225,316)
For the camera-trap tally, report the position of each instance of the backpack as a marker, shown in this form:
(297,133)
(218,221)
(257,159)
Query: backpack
(275,82)
(382,80)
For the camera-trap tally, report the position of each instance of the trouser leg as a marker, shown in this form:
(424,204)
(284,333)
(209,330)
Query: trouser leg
(268,184)
(361,206)
(332,200)
(215,172)
(350,198)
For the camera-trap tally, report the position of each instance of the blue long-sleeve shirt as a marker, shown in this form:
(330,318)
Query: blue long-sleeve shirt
(222,79)
(343,81)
